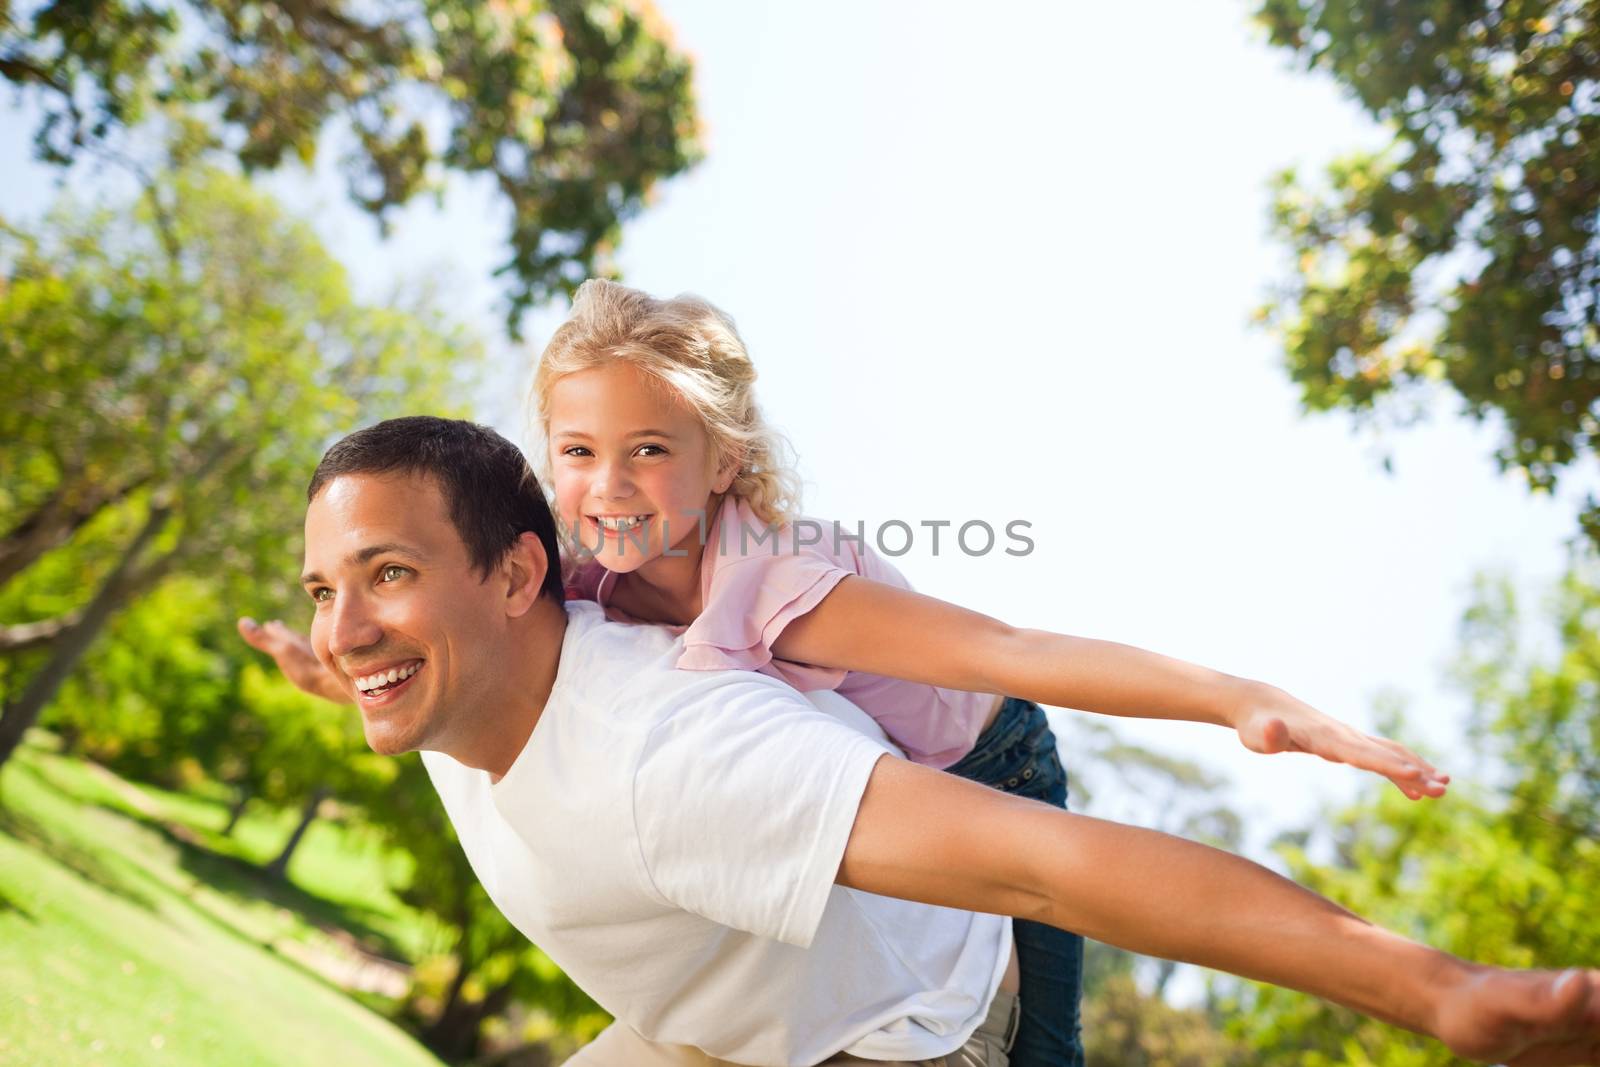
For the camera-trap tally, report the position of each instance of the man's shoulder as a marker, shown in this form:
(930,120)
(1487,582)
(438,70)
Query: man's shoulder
(602,660)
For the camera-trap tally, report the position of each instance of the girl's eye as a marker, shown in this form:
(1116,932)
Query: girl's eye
(652,450)
(391,573)
(577,451)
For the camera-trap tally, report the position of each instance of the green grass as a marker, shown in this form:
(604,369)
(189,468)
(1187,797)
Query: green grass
(125,939)
(341,876)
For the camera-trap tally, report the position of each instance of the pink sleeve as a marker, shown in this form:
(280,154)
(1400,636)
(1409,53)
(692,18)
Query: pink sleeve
(750,602)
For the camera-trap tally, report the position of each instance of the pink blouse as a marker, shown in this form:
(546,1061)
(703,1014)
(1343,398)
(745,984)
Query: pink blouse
(754,581)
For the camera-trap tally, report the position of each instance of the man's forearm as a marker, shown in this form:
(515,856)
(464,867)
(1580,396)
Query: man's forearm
(1163,896)
(924,835)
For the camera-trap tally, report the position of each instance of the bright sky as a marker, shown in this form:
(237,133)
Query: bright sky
(1001,266)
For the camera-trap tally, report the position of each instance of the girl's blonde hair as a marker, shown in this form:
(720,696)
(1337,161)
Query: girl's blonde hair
(692,349)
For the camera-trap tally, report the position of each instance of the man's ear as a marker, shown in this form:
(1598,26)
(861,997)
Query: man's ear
(526,565)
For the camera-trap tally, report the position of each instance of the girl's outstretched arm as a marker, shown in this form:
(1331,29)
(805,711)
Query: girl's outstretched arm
(868,626)
(923,835)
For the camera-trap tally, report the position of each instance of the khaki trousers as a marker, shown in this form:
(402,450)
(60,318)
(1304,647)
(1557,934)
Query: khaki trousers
(619,1046)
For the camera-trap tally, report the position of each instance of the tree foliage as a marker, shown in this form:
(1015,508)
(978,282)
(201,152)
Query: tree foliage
(173,372)
(1124,1026)
(1467,252)
(1507,873)
(574,109)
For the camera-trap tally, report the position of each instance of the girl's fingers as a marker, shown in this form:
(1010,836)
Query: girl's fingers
(1412,775)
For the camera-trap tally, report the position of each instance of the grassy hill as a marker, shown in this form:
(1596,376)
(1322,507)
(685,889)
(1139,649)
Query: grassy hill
(132,933)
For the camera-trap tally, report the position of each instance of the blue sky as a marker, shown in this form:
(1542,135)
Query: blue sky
(1001,265)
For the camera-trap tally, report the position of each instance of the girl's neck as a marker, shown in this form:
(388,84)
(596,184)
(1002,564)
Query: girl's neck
(665,590)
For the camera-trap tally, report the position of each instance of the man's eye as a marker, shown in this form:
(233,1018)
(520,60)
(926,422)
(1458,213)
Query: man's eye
(391,573)
(321,593)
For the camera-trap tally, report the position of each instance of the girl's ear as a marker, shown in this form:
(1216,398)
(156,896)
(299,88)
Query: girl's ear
(725,475)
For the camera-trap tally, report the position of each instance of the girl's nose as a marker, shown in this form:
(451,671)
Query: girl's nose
(612,483)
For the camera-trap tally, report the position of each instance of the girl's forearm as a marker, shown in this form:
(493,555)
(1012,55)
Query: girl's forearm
(1113,679)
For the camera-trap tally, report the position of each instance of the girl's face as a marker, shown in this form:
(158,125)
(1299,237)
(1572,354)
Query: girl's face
(633,468)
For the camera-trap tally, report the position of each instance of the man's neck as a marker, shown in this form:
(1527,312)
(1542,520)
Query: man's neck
(520,693)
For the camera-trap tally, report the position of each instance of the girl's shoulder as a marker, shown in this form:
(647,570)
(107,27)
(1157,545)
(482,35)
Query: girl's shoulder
(756,551)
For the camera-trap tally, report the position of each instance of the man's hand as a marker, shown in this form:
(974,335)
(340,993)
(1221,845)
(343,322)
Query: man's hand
(1523,1018)
(292,652)
(1273,721)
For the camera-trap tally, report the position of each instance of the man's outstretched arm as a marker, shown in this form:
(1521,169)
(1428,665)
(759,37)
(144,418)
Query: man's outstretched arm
(924,835)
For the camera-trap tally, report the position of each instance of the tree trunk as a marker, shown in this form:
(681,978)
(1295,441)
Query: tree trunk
(19,637)
(236,812)
(69,647)
(457,1034)
(279,868)
(53,523)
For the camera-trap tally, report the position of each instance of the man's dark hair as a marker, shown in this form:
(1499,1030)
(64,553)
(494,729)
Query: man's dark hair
(490,489)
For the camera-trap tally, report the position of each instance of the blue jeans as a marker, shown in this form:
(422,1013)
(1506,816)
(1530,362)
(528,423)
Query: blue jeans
(1017,754)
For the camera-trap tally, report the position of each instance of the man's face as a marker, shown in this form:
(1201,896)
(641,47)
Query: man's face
(402,619)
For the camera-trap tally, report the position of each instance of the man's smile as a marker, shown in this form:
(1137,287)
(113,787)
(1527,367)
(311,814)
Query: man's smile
(384,681)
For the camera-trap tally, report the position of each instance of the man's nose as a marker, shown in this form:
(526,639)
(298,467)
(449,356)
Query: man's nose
(353,626)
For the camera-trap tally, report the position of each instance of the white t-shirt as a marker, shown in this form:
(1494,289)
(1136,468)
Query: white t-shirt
(670,839)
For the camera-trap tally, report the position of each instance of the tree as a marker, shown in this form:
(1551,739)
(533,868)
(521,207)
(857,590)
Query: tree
(1507,873)
(573,108)
(1126,1027)
(194,355)
(1467,252)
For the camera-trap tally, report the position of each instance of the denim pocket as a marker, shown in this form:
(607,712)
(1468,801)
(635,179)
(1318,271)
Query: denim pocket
(1017,754)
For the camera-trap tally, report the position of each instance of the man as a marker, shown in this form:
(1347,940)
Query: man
(734,871)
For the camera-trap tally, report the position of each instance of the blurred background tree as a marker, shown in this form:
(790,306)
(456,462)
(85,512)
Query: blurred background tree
(175,369)
(1466,252)
(1507,872)
(573,108)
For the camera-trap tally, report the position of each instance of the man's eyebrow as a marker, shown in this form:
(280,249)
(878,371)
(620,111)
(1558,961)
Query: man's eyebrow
(360,556)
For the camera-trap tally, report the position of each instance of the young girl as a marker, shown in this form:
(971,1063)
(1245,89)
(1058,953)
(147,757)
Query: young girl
(676,492)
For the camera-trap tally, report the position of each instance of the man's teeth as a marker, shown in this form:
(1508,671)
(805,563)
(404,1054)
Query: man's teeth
(628,522)
(369,682)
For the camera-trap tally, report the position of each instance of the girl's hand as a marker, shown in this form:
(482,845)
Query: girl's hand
(292,652)
(1271,720)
